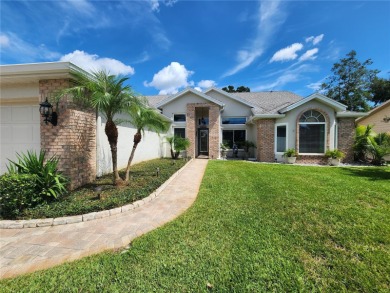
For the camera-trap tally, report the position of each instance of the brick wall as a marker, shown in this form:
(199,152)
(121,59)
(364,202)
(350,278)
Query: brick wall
(265,140)
(346,137)
(214,128)
(309,159)
(73,139)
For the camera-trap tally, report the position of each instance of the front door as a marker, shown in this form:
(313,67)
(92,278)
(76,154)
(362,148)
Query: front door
(203,142)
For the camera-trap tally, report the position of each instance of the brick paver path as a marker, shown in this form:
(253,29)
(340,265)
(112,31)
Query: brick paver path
(32,249)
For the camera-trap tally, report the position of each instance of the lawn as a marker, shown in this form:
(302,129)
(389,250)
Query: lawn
(143,181)
(254,228)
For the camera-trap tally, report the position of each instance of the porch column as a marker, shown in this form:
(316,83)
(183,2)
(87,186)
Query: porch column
(265,140)
(191,129)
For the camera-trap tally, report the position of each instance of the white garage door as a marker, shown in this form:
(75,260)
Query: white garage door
(19,132)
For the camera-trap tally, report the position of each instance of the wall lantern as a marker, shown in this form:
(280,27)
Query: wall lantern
(46,110)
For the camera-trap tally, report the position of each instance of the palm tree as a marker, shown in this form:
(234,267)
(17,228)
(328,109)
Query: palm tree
(108,95)
(143,117)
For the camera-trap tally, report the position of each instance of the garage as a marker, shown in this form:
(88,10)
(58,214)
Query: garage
(20,131)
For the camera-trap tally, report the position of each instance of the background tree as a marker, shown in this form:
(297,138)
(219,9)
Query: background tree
(109,96)
(143,117)
(380,90)
(240,89)
(350,82)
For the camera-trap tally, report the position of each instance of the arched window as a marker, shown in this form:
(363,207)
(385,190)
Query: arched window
(312,134)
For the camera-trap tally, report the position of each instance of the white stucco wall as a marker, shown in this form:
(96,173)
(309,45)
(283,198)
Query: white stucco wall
(152,146)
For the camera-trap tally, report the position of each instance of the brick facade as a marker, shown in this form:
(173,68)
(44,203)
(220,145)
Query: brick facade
(265,140)
(214,129)
(73,139)
(346,137)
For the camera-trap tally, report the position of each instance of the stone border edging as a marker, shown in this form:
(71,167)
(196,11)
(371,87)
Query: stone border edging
(21,224)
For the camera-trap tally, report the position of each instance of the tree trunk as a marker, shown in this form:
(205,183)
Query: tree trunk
(137,139)
(112,134)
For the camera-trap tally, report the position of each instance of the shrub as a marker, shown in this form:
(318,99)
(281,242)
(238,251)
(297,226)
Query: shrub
(370,146)
(177,144)
(290,153)
(334,154)
(50,182)
(18,192)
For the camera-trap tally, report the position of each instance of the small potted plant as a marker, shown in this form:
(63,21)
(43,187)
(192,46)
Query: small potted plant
(291,155)
(334,156)
(224,149)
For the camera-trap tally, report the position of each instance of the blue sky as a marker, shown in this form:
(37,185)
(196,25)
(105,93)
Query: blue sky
(165,46)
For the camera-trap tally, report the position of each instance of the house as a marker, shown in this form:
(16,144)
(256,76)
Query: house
(78,138)
(379,117)
(274,121)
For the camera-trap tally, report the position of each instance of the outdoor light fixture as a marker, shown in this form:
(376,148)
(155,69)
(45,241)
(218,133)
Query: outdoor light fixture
(46,110)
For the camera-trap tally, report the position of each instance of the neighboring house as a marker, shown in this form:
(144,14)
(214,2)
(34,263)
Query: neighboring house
(274,121)
(79,138)
(379,117)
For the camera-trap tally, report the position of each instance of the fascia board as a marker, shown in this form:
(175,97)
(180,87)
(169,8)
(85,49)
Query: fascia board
(350,114)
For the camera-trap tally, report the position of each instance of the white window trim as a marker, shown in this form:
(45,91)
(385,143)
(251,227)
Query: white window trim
(276,138)
(325,139)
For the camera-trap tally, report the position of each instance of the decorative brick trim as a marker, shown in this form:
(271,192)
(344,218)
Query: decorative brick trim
(346,137)
(265,140)
(73,139)
(214,128)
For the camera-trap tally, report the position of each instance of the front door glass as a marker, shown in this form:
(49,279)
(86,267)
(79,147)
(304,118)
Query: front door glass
(203,141)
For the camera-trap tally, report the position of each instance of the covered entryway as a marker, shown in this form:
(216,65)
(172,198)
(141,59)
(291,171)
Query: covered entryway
(20,131)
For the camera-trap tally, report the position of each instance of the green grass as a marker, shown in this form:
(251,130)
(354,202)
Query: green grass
(253,228)
(84,200)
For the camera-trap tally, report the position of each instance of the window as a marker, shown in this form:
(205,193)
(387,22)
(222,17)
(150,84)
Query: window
(312,132)
(179,117)
(179,132)
(233,120)
(229,137)
(281,138)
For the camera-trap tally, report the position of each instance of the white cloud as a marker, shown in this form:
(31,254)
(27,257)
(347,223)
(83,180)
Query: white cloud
(155,4)
(17,49)
(93,63)
(206,84)
(270,18)
(314,86)
(82,6)
(170,79)
(290,74)
(309,55)
(315,40)
(4,41)
(288,53)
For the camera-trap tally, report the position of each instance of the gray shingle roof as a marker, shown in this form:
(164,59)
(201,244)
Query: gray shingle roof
(265,102)
(269,102)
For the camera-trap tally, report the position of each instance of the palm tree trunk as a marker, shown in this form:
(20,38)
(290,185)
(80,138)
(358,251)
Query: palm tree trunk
(112,135)
(137,139)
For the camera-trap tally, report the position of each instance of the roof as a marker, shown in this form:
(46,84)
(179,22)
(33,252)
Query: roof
(269,102)
(33,72)
(185,91)
(376,109)
(317,96)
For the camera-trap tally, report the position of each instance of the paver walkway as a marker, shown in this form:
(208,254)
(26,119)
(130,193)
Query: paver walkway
(32,249)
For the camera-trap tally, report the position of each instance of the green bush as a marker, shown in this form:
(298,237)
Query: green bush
(50,182)
(18,192)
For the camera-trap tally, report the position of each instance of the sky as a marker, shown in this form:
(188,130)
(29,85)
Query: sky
(166,46)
